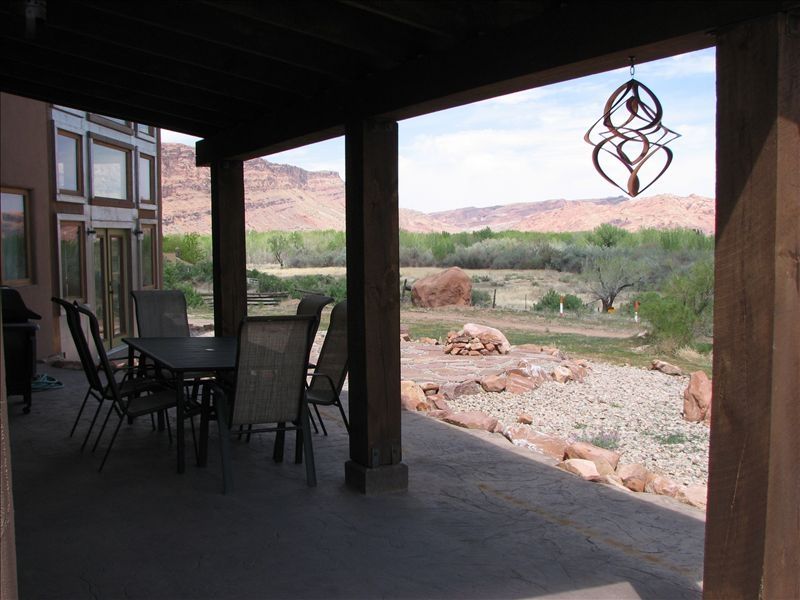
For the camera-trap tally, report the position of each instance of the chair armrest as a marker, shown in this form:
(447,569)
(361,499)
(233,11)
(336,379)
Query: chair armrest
(327,378)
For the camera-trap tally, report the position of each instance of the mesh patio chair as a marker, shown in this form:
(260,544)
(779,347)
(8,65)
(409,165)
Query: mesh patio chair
(163,313)
(312,305)
(127,401)
(330,371)
(269,388)
(99,390)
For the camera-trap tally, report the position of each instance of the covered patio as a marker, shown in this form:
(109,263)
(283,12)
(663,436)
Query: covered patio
(480,519)
(256,78)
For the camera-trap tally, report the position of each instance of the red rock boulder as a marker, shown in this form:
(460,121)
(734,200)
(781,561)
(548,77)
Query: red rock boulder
(697,398)
(447,288)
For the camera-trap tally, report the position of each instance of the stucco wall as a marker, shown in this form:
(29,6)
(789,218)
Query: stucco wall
(25,142)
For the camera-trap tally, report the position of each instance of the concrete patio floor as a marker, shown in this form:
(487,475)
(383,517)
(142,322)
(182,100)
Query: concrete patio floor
(481,519)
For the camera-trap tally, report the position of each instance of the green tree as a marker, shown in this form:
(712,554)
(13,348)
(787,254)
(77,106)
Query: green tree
(608,274)
(607,236)
(189,248)
(280,244)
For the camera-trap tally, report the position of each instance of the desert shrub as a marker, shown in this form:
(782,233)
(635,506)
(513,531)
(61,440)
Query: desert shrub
(552,301)
(608,439)
(481,298)
(607,236)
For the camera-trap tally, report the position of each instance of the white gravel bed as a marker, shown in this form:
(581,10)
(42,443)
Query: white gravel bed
(637,408)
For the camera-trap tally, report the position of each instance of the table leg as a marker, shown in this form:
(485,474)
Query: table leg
(179,418)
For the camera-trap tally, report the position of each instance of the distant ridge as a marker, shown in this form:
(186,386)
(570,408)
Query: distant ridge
(287,198)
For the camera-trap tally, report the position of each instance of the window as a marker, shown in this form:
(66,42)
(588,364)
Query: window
(71,239)
(148,256)
(69,163)
(147,179)
(110,171)
(14,221)
(112,122)
(145,129)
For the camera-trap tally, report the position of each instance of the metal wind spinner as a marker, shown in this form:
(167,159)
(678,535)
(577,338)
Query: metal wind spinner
(632,135)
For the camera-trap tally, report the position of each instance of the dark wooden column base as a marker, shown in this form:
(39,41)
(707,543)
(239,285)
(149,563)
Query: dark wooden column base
(376,480)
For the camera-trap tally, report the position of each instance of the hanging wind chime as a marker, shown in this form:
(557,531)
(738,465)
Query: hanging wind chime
(630,133)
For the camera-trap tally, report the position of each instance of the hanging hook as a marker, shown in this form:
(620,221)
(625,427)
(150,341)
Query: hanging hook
(633,68)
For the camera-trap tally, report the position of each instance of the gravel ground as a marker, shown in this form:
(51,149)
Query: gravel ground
(636,409)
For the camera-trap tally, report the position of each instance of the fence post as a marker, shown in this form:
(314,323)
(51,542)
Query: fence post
(494,298)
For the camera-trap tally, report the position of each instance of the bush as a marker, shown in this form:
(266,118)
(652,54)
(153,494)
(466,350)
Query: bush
(552,301)
(481,298)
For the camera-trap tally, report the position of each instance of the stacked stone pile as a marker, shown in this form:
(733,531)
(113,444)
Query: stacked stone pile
(476,340)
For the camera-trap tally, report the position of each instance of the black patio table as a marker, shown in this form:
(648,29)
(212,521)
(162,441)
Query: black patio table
(181,355)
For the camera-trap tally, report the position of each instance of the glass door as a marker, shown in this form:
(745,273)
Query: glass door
(111,268)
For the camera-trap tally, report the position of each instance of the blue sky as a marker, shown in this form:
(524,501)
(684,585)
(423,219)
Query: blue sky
(528,146)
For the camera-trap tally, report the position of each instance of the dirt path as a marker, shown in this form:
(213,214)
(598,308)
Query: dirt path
(514,322)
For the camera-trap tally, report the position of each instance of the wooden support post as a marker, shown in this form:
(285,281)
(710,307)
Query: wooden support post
(228,242)
(753,523)
(373,301)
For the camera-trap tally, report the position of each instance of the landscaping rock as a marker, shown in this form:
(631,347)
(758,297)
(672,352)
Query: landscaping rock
(412,397)
(447,288)
(473,419)
(549,445)
(592,452)
(663,486)
(562,374)
(519,382)
(405,336)
(634,476)
(494,383)
(577,370)
(613,480)
(525,419)
(438,401)
(467,388)
(697,398)
(429,387)
(580,467)
(665,367)
(696,495)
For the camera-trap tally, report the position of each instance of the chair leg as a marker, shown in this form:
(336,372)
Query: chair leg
(280,437)
(153,421)
(105,422)
(91,425)
(249,433)
(321,422)
(204,417)
(311,473)
(298,447)
(224,445)
(80,412)
(344,417)
(111,443)
(169,429)
(313,423)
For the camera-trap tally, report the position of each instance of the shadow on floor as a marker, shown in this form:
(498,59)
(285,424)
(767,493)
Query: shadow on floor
(480,520)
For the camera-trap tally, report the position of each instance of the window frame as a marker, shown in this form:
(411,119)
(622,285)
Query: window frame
(152,201)
(149,133)
(114,145)
(28,279)
(81,223)
(108,122)
(153,228)
(79,162)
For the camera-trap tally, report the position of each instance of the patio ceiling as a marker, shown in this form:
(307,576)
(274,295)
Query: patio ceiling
(254,78)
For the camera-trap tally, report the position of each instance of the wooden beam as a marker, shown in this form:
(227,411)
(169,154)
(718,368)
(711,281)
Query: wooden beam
(373,299)
(72,44)
(93,84)
(191,22)
(161,46)
(537,52)
(385,43)
(753,523)
(105,106)
(228,246)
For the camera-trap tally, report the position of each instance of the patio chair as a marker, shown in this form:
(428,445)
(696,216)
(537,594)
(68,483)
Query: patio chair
(97,389)
(135,399)
(163,313)
(330,371)
(312,305)
(269,387)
